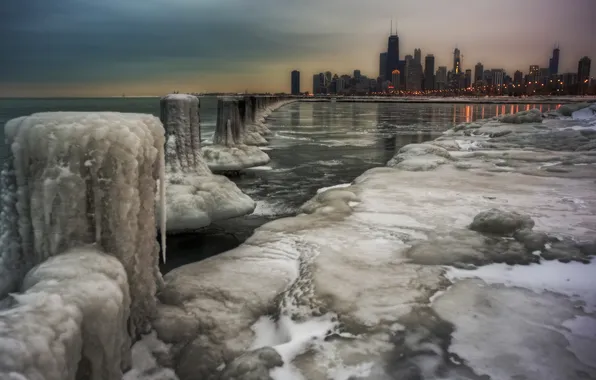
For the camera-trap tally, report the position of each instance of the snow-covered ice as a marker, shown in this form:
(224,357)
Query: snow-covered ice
(70,319)
(354,252)
(234,158)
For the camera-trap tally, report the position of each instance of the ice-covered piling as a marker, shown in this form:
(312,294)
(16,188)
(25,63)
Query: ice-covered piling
(79,185)
(181,120)
(229,129)
(229,153)
(194,196)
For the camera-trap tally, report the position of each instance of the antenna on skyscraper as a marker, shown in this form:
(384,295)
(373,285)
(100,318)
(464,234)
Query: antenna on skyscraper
(391,29)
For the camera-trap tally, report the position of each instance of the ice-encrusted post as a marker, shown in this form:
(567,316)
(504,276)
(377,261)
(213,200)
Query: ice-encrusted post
(195,197)
(252,108)
(181,120)
(229,129)
(88,179)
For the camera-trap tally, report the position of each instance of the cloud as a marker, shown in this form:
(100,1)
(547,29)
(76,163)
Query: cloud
(69,40)
(251,43)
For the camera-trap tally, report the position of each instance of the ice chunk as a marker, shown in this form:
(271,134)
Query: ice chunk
(144,363)
(238,157)
(89,178)
(71,319)
(532,116)
(588,113)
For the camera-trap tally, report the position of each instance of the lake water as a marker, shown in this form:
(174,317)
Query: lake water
(314,145)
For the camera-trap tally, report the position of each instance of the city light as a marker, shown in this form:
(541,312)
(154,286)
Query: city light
(409,77)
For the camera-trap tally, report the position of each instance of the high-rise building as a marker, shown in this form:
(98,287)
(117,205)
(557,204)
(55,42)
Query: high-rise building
(498,77)
(583,69)
(553,66)
(413,74)
(468,78)
(383,65)
(429,72)
(357,74)
(340,84)
(395,78)
(418,56)
(328,78)
(441,78)
(534,73)
(583,74)
(295,82)
(478,72)
(518,77)
(457,61)
(316,84)
(392,55)
(488,77)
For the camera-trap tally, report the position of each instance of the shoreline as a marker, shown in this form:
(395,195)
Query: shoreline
(374,231)
(457,100)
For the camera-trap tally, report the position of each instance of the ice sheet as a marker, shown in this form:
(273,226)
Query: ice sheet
(347,253)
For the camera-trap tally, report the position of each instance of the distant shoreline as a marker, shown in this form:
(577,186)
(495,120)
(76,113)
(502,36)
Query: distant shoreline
(458,100)
(372,99)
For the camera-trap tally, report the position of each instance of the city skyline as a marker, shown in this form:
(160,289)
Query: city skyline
(80,47)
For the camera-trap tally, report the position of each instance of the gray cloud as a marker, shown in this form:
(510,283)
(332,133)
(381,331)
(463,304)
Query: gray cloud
(73,40)
(100,41)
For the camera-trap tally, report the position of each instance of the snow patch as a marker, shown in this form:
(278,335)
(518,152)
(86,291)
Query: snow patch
(340,186)
(573,279)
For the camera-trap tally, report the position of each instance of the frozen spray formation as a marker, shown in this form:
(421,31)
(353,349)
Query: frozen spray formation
(80,193)
(362,285)
(194,196)
(258,108)
(228,152)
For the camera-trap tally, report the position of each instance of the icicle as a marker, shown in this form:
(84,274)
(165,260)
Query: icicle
(162,201)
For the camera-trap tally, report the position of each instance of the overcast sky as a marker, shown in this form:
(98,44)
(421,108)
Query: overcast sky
(150,47)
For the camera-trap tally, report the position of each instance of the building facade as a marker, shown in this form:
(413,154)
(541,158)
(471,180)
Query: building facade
(457,62)
(295,82)
(392,55)
(478,72)
(429,72)
(441,78)
(553,66)
(383,65)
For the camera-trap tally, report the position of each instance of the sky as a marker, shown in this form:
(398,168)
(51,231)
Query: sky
(153,47)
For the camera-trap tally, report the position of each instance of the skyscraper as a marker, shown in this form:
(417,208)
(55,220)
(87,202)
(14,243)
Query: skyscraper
(583,74)
(456,61)
(498,77)
(468,78)
(583,69)
(357,74)
(392,55)
(295,82)
(429,72)
(553,66)
(316,84)
(518,77)
(413,74)
(328,77)
(383,66)
(478,72)
(395,78)
(441,79)
(418,56)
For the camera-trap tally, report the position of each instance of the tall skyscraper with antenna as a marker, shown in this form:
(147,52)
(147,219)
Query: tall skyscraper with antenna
(553,66)
(456,61)
(392,53)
